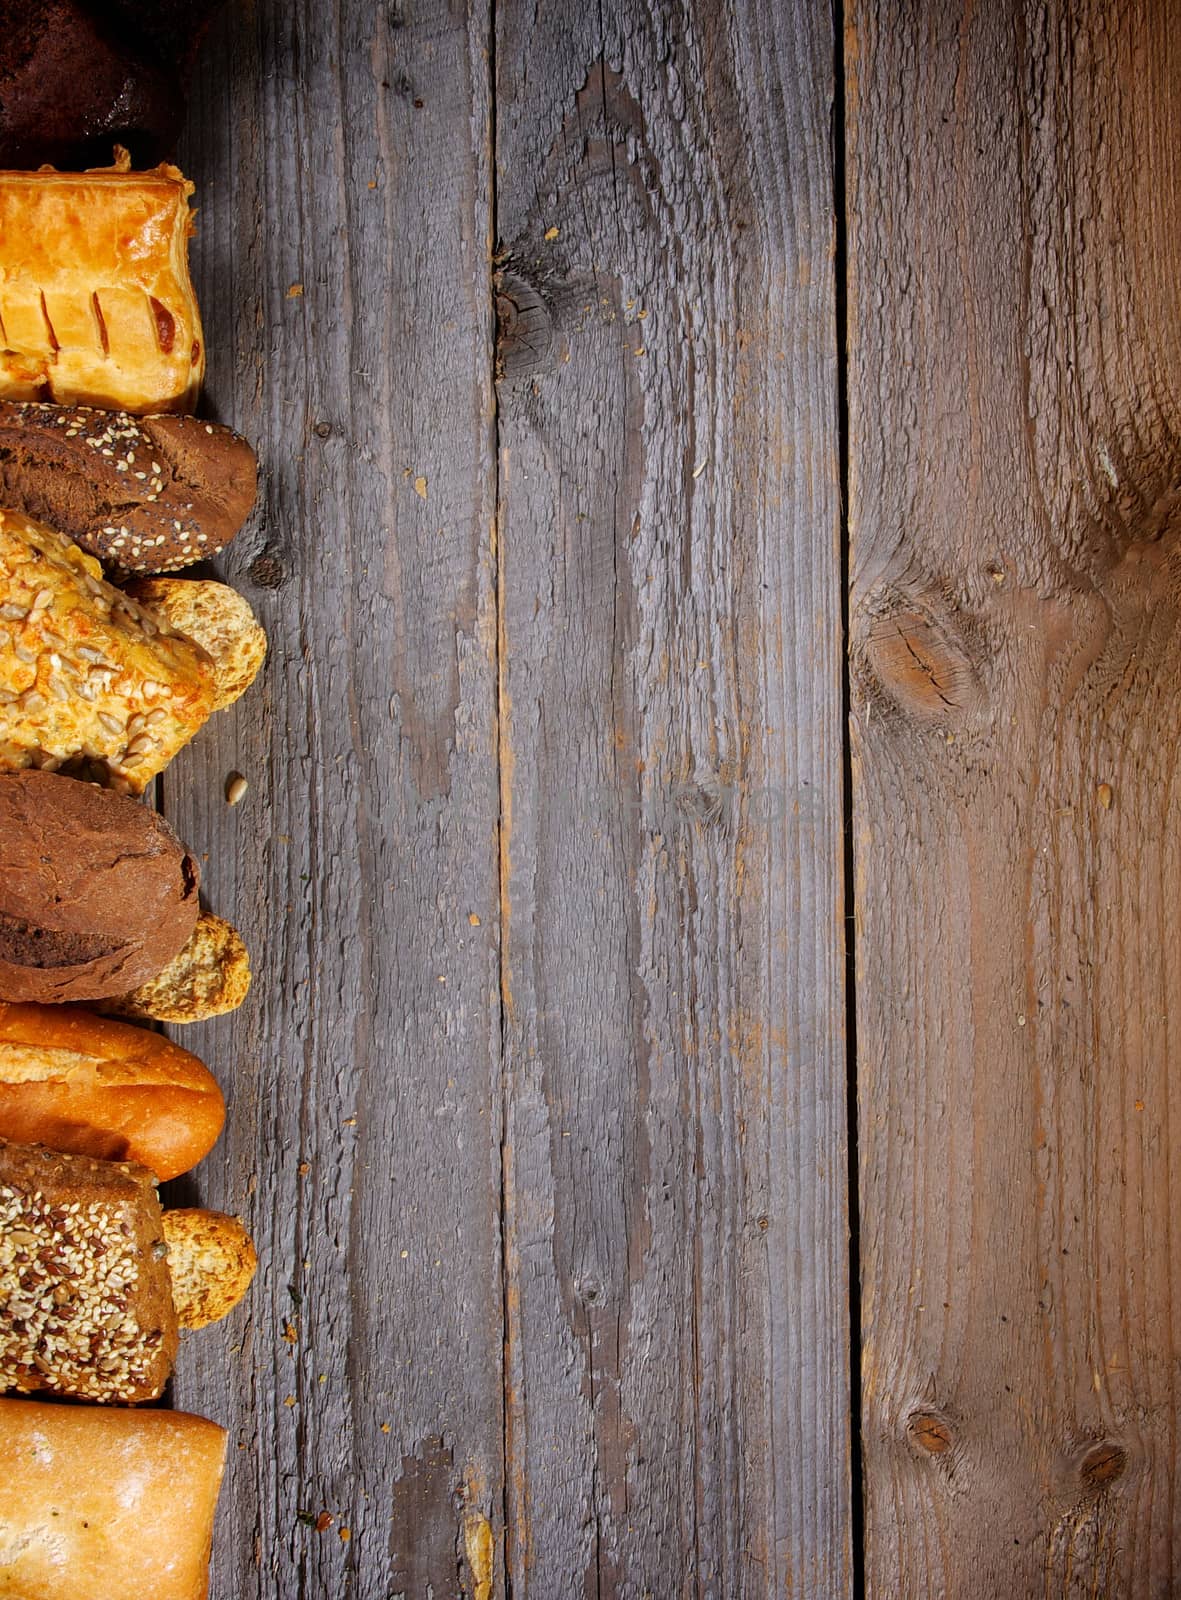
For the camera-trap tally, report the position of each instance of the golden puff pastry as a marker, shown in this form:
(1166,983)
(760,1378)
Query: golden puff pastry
(96,306)
(90,681)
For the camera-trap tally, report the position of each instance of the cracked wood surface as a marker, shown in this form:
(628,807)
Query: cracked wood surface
(1013,200)
(541,859)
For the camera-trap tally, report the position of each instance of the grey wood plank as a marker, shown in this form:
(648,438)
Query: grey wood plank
(675,1162)
(1015,195)
(345,148)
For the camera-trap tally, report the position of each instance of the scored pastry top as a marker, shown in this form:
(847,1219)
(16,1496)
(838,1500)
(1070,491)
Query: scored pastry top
(96,304)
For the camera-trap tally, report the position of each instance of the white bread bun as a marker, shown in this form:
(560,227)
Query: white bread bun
(97,1502)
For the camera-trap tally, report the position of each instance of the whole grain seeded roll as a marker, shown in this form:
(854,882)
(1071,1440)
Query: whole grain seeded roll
(144,494)
(85,1296)
(89,679)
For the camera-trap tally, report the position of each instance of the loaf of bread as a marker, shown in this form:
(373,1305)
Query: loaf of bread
(85,1297)
(144,494)
(96,891)
(209,976)
(96,305)
(97,1087)
(103,1504)
(88,679)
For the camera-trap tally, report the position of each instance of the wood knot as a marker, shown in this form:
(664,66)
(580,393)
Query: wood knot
(929,1432)
(1102,1464)
(266,571)
(524,327)
(918,653)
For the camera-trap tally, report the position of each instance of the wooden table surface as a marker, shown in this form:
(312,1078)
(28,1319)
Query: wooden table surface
(620,939)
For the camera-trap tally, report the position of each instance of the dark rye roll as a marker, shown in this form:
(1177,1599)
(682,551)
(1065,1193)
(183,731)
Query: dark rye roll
(96,891)
(143,494)
(77,77)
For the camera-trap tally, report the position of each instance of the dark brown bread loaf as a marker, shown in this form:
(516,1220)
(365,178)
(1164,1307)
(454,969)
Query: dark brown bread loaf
(85,1294)
(143,494)
(96,891)
(77,76)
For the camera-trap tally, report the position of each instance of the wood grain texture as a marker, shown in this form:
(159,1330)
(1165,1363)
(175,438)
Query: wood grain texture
(345,149)
(1015,444)
(675,1164)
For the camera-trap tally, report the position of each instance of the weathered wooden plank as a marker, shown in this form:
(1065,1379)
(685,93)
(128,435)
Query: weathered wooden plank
(346,149)
(675,1200)
(1014,209)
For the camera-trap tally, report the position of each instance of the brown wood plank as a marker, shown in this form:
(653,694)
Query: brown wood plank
(675,1172)
(1015,363)
(345,148)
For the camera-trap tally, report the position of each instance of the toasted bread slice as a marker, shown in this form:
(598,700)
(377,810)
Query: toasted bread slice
(212,1259)
(209,976)
(218,619)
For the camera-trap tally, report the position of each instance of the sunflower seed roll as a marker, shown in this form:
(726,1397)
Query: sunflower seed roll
(90,681)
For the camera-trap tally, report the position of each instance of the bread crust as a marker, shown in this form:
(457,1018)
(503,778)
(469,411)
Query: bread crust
(96,304)
(219,619)
(211,1261)
(207,978)
(98,1087)
(97,1501)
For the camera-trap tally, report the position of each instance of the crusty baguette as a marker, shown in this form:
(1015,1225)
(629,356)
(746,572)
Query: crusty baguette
(88,678)
(89,1084)
(96,304)
(104,1504)
(208,977)
(211,1260)
(143,494)
(85,1298)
